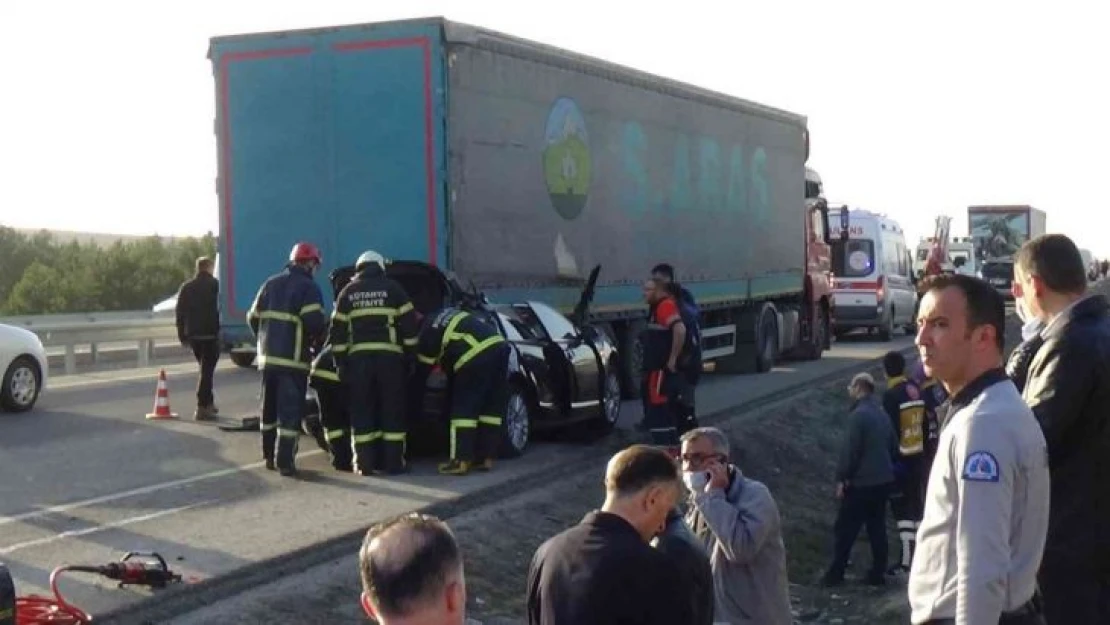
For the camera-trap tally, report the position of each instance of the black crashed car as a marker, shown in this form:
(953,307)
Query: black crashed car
(563,373)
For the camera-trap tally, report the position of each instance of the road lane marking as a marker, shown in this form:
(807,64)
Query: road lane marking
(143,490)
(100,527)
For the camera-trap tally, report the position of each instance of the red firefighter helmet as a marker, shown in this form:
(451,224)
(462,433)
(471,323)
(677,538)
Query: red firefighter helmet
(302,252)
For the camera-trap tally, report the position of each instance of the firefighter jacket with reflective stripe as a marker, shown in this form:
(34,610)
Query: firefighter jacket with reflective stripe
(325,372)
(905,405)
(453,337)
(288,318)
(372,314)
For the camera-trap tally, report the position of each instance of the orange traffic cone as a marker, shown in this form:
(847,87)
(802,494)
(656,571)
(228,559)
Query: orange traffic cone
(162,400)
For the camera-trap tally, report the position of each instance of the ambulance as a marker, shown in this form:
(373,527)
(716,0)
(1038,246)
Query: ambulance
(872,268)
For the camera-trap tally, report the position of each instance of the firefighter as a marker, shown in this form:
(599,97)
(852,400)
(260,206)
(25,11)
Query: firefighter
(473,353)
(373,326)
(287,318)
(662,341)
(904,404)
(332,403)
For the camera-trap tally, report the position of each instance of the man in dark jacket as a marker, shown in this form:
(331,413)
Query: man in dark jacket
(1017,365)
(1068,388)
(864,476)
(288,318)
(198,327)
(689,558)
(602,571)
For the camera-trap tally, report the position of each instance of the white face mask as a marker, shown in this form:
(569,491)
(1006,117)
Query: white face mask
(695,480)
(1022,312)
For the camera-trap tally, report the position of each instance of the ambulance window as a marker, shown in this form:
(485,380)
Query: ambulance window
(854,258)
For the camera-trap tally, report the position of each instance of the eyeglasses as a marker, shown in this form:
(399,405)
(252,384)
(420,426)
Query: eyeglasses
(700,458)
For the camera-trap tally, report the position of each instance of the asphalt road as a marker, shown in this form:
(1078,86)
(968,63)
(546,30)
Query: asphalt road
(86,477)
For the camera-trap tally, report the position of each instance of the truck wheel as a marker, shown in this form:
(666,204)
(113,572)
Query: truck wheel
(243,359)
(757,342)
(631,358)
(768,339)
(819,336)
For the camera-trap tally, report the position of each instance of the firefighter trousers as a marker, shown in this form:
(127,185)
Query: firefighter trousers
(376,388)
(660,415)
(479,397)
(283,393)
(908,506)
(331,400)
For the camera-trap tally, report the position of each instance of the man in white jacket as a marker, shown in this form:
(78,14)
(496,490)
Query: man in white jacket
(738,522)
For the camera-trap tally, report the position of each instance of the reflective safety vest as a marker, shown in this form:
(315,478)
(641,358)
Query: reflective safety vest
(372,314)
(453,337)
(905,405)
(287,317)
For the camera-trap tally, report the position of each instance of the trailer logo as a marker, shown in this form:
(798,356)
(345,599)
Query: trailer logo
(566,159)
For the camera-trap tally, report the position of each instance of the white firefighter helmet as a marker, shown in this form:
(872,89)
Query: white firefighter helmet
(370,257)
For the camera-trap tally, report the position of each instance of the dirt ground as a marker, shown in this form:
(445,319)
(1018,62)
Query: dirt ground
(790,446)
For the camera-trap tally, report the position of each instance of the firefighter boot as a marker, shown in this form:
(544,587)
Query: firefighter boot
(394,457)
(286,453)
(340,450)
(455,467)
(485,465)
(366,459)
(269,441)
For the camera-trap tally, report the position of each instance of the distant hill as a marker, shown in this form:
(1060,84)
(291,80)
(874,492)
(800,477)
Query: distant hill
(100,239)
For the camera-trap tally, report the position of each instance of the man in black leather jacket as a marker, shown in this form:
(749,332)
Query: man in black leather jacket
(1068,388)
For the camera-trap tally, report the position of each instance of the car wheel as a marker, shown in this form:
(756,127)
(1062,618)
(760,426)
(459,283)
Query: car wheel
(886,331)
(22,384)
(610,410)
(243,359)
(516,428)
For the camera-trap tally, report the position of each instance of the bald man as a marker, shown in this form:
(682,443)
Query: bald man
(412,573)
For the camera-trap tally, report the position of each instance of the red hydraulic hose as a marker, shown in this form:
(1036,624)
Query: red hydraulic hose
(39,610)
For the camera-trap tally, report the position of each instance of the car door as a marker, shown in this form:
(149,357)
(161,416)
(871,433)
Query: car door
(569,357)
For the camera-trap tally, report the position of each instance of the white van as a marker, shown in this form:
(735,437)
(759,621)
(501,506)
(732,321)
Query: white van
(873,270)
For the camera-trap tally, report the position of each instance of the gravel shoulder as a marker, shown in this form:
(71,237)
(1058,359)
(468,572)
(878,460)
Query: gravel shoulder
(791,446)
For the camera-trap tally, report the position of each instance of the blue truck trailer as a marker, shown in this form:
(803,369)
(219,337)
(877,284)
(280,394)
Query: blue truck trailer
(517,166)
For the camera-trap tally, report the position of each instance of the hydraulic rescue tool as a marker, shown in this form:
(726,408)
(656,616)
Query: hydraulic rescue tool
(133,569)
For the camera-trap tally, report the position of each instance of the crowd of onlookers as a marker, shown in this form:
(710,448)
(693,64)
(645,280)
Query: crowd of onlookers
(997,473)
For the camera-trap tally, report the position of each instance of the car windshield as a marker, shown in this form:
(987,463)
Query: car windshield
(525,328)
(854,258)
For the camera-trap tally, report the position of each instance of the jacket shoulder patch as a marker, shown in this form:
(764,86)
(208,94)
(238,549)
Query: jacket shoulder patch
(980,466)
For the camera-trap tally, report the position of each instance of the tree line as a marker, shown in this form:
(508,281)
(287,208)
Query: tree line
(41,275)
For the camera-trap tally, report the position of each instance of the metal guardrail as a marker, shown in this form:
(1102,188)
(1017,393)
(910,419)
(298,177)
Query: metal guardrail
(69,331)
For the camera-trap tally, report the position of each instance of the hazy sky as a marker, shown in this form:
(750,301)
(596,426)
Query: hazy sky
(107,106)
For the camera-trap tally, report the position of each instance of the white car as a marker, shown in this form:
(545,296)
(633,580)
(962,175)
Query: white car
(23,368)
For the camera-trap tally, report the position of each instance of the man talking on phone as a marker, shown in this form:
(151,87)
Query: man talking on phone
(737,520)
